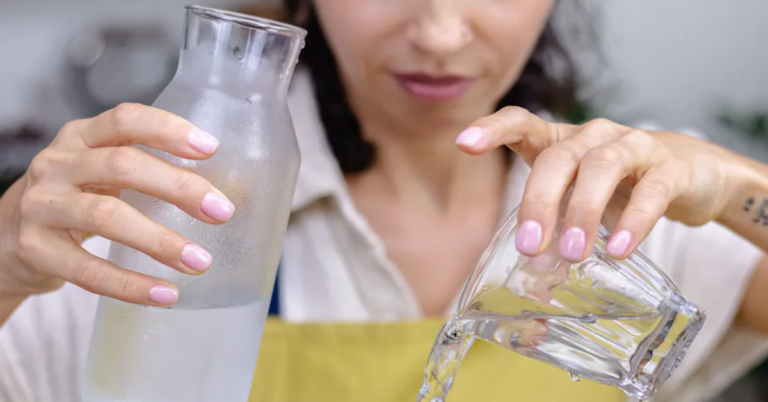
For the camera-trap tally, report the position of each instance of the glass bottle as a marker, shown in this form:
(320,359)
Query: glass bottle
(232,81)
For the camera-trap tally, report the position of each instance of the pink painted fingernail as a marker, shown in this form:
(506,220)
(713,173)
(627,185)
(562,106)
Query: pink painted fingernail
(528,239)
(470,137)
(572,244)
(196,258)
(619,243)
(163,294)
(218,206)
(202,142)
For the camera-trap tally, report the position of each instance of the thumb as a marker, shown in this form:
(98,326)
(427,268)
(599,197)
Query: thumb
(520,130)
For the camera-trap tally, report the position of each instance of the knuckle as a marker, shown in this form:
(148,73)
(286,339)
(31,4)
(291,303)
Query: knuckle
(513,109)
(123,115)
(100,212)
(654,189)
(42,164)
(121,161)
(607,156)
(165,241)
(510,116)
(640,214)
(639,136)
(585,207)
(600,125)
(174,124)
(515,112)
(124,285)
(536,203)
(70,129)
(186,182)
(90,274)
(562,153)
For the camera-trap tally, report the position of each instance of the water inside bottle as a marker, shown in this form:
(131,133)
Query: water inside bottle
(152,354)
(633,348)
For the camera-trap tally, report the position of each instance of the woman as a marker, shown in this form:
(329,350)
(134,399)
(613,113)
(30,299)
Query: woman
(404,179)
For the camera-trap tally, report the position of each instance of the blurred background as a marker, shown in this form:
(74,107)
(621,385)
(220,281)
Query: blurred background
(686,65)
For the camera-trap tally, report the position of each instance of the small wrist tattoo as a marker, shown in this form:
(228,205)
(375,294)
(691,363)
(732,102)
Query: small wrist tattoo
(758,209)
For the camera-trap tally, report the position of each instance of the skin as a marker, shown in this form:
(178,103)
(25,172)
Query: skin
(433,199)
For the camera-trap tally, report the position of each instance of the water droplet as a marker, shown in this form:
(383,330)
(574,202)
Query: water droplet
(580,274)
(238,52)
(282,76)
(526,314)
(253,99)
(589,319)
(574,377)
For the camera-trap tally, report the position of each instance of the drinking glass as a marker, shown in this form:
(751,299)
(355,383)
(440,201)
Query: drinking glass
(622,323)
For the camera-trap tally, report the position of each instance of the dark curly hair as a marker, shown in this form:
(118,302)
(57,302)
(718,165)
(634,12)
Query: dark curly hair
(538,88)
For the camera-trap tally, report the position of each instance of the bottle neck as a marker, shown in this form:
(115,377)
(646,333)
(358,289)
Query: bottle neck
(240,55)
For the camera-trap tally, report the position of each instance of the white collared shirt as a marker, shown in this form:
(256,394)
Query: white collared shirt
(335,268)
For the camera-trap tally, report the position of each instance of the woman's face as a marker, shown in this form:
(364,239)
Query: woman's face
(426,64)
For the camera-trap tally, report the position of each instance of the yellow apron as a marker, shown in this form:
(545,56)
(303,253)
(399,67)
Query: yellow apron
(385,363)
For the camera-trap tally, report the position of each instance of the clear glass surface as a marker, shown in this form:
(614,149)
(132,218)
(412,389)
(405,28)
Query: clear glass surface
(232,82)
(621,323)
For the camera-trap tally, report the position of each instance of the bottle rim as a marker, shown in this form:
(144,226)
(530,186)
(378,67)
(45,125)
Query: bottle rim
(249,21)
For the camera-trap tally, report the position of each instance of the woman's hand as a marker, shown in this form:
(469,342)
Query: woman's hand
(71,189)
(659,173)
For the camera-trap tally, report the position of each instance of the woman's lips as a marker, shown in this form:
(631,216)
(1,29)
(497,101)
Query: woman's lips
(433,87)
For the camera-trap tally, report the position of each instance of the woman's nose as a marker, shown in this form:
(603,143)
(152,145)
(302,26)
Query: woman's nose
(441,28)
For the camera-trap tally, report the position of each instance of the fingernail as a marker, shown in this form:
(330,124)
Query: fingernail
(195,257)
(528,239)
(619,243)
(163,294)
(218,207)
(572,244)
(470,137)
(202,142)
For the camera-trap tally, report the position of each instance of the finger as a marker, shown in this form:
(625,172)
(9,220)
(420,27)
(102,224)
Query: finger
(599,174)
(521,130)
(60,257)
(552,173)
(131,123)
(115,220)
(132,168)
(649,201)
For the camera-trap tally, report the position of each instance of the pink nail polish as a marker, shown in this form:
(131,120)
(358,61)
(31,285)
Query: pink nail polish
(528,238)
(619,243)
(202,142)
(163,294)
(195,257)
(217,207)
(470,137)
(572,244)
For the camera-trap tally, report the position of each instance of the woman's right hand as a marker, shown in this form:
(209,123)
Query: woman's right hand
(71,189)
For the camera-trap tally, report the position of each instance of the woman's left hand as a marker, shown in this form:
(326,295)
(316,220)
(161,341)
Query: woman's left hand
(662,173)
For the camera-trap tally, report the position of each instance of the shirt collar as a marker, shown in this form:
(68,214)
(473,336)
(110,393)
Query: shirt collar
(319,173)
